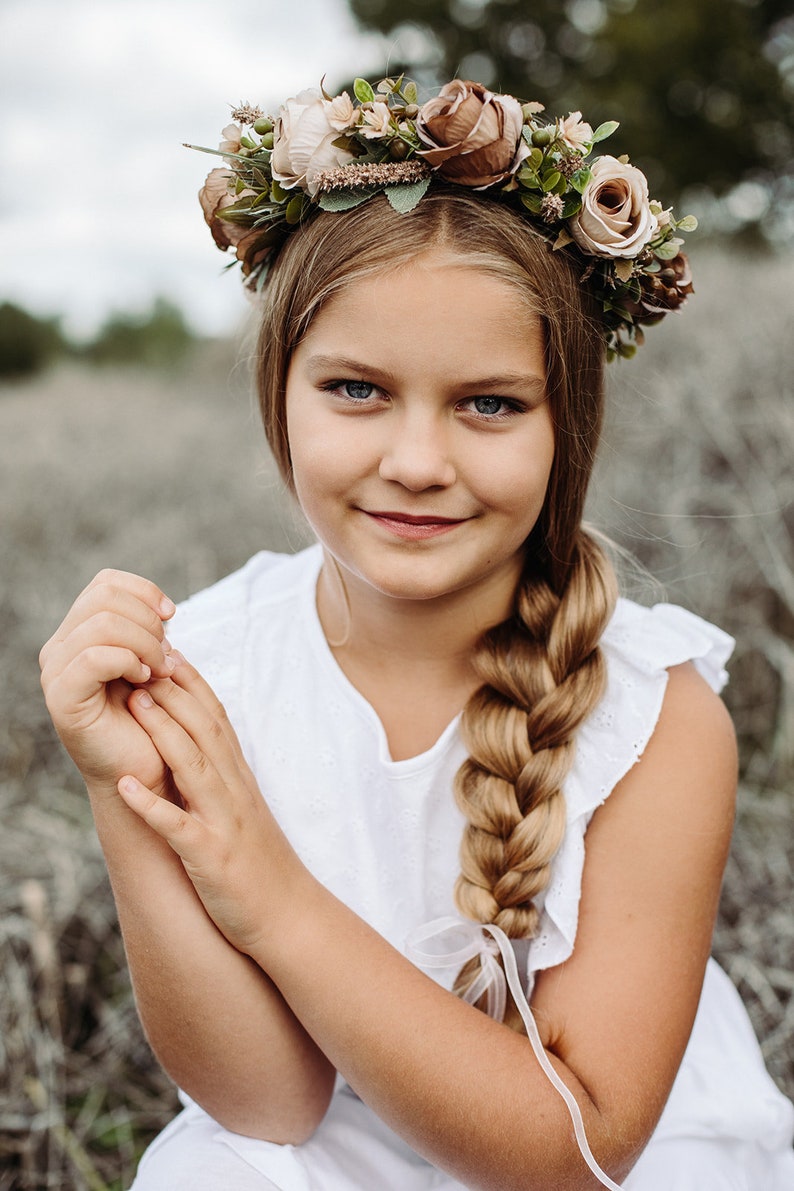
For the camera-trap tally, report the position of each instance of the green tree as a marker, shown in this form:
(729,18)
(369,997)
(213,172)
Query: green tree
(159,339)
(27,344)
(703,89)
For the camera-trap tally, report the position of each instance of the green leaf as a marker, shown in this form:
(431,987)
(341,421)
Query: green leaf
(604,130)
(405,196)
(532,202)
(294,209)
(528,178)
(344,200)
(580,179)
(571,205)
(667,251)
(549,181)
(688,224)
(279,193)
(363,91)
(410,93)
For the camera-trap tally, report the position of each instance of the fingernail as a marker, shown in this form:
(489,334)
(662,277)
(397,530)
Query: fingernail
(145,699)
(176,657)
(167,608)
(166,645)
(169,663)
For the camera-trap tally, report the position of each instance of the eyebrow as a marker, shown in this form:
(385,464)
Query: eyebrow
(345,364)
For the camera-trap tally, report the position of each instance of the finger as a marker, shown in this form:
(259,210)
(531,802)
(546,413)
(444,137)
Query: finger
(176,827)
(187,678)
(138,599)
(70,691)
(193,772)
(110,628)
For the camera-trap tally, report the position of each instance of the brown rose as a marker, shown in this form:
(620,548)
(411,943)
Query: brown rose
(616,218)
(474,136)
(214,196)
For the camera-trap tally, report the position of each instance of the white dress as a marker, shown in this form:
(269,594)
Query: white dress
(383,836)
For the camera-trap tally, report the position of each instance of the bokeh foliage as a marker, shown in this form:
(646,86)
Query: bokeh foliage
(704,90)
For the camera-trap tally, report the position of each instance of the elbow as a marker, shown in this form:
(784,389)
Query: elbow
(268,1113)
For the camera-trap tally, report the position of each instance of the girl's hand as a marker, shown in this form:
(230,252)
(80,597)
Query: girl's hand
(111,640)
(230,845)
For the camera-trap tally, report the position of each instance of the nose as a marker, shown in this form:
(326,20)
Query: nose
(417,454)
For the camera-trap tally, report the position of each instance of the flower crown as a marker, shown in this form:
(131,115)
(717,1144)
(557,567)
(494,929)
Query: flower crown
(333,153)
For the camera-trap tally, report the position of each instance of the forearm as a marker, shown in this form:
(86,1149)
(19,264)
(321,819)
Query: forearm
(465,1092)
(217,1023)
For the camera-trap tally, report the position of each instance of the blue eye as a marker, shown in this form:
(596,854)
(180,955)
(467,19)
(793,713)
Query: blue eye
(488,405)
(359,390)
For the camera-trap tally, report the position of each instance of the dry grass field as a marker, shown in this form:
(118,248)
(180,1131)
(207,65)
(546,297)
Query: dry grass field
(167,475)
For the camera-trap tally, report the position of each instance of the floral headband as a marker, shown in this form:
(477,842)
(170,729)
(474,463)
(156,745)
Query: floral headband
(334,153)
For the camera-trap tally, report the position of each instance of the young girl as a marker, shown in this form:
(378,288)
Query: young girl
(390,789)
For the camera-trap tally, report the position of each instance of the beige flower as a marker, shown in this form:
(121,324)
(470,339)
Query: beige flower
(616,218)
(375,120)
(575,132)
(216,194)
(303,139)
(340,112)
(231,138)
(474,136)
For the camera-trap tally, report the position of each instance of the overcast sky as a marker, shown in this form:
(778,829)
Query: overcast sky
(98,206)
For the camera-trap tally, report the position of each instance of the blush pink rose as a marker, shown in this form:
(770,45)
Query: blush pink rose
(616,218)
(473,136)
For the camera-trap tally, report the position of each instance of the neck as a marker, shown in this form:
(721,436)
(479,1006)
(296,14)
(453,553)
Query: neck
(362,622)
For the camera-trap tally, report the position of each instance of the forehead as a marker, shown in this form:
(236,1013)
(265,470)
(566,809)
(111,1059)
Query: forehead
(437,310)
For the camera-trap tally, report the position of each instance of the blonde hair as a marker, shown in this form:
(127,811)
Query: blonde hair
(542,670)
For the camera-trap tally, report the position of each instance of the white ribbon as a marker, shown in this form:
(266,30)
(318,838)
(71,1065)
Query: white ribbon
(491,981)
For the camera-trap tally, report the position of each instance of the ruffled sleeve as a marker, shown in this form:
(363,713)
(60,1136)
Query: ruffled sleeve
(639,645)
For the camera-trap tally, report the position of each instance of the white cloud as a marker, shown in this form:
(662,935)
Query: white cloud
(97,195)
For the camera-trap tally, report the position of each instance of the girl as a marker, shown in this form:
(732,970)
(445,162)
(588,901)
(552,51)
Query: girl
(436,739)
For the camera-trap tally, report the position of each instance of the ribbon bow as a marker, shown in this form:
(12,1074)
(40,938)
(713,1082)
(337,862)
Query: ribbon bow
(493,981)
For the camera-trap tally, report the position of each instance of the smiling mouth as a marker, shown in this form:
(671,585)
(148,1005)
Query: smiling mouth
(412,527)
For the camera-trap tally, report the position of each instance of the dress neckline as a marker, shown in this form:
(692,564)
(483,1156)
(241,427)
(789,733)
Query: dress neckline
(405,767)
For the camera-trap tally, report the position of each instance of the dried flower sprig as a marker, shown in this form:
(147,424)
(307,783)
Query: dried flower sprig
(334,152)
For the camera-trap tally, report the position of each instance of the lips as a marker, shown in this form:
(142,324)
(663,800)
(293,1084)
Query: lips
(412,527)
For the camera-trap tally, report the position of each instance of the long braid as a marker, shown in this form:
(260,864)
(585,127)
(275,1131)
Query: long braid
(543,673)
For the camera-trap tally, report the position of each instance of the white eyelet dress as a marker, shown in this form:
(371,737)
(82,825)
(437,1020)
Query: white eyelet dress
(383,836)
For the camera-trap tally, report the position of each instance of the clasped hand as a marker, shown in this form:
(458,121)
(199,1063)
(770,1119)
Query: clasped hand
(230,845)
(140,721)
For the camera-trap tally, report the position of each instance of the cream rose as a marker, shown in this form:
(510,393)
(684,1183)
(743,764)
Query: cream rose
(303,138)
(474,136)
(616,218)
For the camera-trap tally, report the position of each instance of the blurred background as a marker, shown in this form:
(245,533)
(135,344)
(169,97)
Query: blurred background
(128,435)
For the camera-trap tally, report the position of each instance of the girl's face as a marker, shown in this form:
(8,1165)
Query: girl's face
(420,433)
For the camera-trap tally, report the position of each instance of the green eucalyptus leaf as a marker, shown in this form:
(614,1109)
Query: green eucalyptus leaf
(688,224)
(410,93)
(604,130)
(667,251)
(344,200)
(580,179)
(363,91)
(405,196)
(528,178)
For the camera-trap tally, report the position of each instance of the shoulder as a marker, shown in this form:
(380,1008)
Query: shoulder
(266,581)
